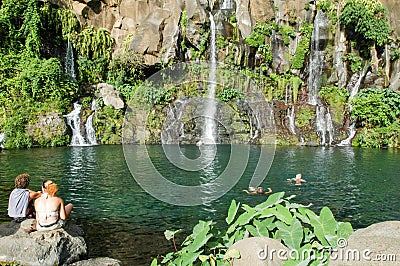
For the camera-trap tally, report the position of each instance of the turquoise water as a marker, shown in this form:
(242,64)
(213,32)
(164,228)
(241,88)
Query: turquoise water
(123,221)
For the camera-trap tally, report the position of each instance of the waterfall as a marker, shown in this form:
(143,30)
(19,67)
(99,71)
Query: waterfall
(69,61)
(353,92)
(352,133)
(90,132)
(2,137)
(317,56)
(324,124)
(211,108)
(174,128)
(227,5)
(74,122)
(290,115)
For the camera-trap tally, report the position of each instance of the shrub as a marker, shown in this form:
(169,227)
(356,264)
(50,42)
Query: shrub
(293,224)
(367,19)
(376,107)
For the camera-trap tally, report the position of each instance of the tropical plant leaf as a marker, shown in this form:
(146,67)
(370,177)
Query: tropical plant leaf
(189,257)
(154,262)
(261,228)
(329,225)
(252,230)
(171,234)
(269,223)
(199,241)
(324,226)
(302,215)
(245,218)
(268,212)
(201,227)
(292,235)
(344,230)
(232,254)
(272,200)
(283,214)
(301,257)
(232,212)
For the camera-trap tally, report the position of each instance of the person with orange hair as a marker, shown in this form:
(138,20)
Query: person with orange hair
(51,212)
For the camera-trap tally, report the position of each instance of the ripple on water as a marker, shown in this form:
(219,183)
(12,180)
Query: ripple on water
(122,221)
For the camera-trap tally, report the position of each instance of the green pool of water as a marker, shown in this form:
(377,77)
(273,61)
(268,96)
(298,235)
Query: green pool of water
(123,221)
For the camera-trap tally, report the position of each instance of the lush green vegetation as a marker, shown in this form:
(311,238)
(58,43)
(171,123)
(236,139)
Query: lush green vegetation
(367,20)
(376,107)
(33,82)
(303,49)
(294,225)
(30,85)
(378,112)
(32,72)
(337,99)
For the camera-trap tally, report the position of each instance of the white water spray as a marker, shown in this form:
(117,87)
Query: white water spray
(209,133)
(69,61)
(74,122)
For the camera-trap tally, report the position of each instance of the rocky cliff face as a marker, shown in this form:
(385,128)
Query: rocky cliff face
(165,30)
(152,26)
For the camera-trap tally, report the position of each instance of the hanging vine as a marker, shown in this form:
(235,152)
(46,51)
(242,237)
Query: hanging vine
(94,44)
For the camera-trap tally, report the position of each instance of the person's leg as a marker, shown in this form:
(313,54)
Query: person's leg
(68,209)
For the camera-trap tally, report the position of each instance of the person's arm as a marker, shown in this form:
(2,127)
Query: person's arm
(63,216)
(269,191)
(34,194)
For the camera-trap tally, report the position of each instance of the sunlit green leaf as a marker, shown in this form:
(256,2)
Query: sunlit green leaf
(233,208)
(272,200)
(291,235)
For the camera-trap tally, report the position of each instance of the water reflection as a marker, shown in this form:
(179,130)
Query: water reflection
(207,175)
(123,221)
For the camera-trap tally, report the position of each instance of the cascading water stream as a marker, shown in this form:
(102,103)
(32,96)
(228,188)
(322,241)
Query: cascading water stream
(74,122)
(69,61)
(317,56)
(209,132)
(2,136)
(227,5)
(174,127)
(324,124)
(353,92)
(90,132)
(291,115)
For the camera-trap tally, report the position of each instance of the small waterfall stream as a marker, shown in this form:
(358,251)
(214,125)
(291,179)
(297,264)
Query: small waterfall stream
(317,56)
(209,132)
(74,122)
(353,92)
(227,5)
(70,61)
(174,128)
(291,116)
(324,124)
(90,132)
(2,136)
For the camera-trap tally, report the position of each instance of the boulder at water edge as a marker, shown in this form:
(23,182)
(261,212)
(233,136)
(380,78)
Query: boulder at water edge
(56,247)
(104,261)
(378,244)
